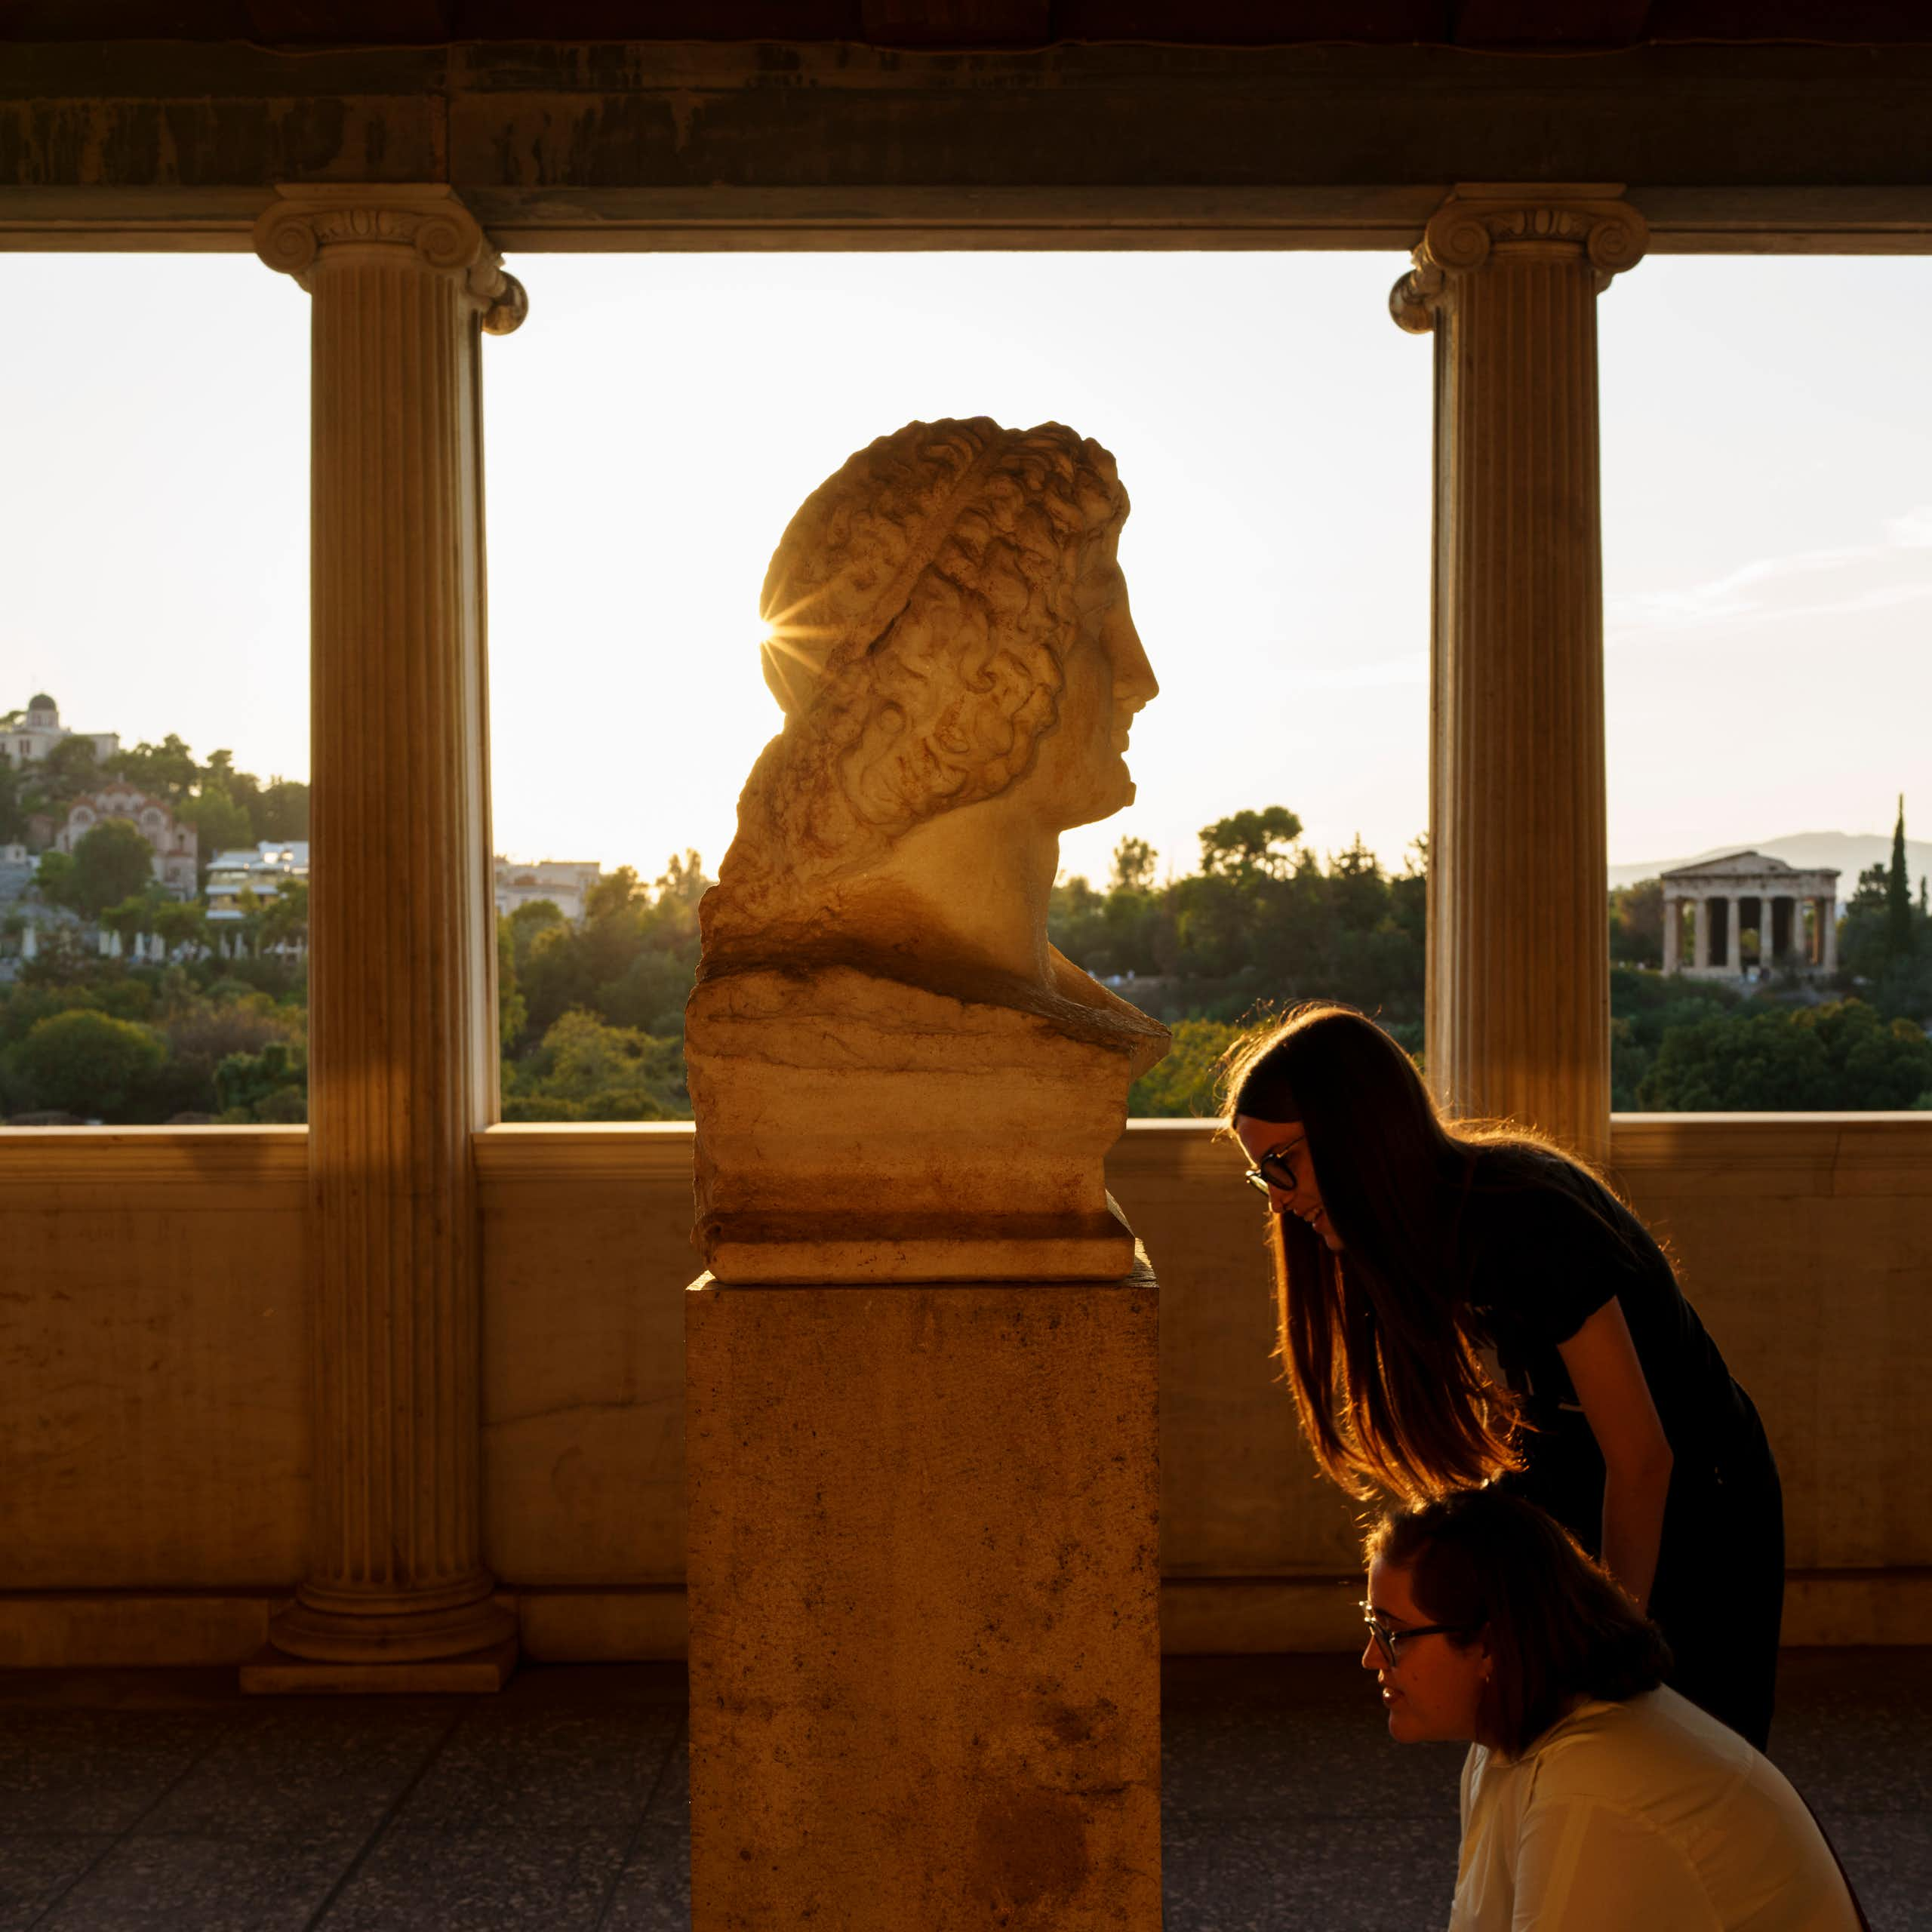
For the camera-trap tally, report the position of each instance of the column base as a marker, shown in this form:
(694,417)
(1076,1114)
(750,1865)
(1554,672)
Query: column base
(274,1673)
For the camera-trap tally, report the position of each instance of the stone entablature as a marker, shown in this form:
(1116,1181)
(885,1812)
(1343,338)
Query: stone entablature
(1794,914)
(35,731)
(176,846)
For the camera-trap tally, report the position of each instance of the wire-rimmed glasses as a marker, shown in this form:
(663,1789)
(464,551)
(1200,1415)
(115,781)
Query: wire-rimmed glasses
(1390,1640)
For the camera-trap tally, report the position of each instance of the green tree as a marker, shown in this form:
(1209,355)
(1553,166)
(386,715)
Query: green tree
(511,1012)
(1899,935)
(13,803)
(221,824)
(284,917)
(271,1086)
(1133,866)
(585,1069)
(112,861)
(69,771)
(281,810)
(183,925)
(1185,1083)
(1636,924)
(87,1062)
(1845,1056)
(166,771)
(1246,842)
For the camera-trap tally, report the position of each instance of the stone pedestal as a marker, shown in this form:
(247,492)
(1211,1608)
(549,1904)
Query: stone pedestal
(402,1055)
(1519,1006)
(924,1637)
(854,1127)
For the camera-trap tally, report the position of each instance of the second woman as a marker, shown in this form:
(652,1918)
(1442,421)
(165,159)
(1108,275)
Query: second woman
(1461,1304)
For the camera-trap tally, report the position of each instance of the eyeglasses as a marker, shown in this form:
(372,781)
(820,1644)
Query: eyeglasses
(1271,1170)
(1389,1640)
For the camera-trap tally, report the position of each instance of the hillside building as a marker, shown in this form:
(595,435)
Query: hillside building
(1750,902)
(262,868)
(38,729)
(176,846)
(566,883)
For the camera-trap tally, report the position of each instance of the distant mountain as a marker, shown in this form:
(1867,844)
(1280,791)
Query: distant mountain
(1850,852)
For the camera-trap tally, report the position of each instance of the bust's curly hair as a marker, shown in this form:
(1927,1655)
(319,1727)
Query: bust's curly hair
(917,607)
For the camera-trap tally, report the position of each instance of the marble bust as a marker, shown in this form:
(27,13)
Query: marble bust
(895,1075)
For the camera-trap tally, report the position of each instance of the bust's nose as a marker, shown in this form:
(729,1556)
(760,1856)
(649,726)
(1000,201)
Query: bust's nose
(1135,684)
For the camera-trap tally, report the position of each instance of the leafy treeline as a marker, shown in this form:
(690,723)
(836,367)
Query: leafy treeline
(208,1040)
(591,1014)
(1264,924)
(226,808)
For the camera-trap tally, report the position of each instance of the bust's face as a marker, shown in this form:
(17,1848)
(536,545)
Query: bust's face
(1081,775)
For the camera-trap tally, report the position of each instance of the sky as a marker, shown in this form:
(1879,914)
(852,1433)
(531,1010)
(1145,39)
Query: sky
(1766,506)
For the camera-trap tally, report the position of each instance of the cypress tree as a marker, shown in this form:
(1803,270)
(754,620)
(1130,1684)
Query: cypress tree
(1898,895)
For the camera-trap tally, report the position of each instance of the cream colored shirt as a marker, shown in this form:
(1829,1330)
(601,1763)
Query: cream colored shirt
(1647,1815)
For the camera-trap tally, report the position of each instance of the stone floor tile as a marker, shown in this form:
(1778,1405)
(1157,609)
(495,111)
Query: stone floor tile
(92,1771)
(1888,1857)
(1852,1726)
(306,1769)
(34,1872)
(654,1894)
(533,1766)
(671,1801)
(161,1883)
(490,1880)
(1308,1873)
(1274,1737)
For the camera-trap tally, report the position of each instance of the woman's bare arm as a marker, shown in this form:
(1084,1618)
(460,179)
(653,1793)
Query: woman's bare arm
(1622,1415)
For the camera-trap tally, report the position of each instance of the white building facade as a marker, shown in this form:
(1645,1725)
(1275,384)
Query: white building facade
(566,883)
(1750,912)
(33,734)
(262,869)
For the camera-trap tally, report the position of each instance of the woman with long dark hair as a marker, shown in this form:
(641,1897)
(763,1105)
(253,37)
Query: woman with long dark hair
(1463,1302)
(1593,1800)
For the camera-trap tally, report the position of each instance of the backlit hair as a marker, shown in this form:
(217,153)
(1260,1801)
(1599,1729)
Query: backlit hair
(1380,1342)
(917,608)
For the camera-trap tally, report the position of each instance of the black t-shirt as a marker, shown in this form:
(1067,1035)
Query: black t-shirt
(1538,1260)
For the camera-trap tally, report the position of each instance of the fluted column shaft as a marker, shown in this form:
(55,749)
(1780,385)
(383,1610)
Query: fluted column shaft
(1518,998)
(1828,919)
(1673,933)
(402,1069)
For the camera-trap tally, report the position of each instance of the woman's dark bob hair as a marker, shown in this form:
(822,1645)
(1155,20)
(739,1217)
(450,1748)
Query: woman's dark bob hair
(1381,1347)
(1557,1627)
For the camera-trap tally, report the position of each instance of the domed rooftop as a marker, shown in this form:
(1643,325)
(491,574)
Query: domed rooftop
(40,701)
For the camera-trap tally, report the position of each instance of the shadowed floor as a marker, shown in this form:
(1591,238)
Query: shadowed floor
(139,1800)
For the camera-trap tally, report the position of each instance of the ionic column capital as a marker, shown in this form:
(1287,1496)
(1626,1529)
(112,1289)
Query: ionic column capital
(1482,225)
(307,230)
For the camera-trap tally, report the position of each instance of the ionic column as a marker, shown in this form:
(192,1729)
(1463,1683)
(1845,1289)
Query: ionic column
(1828,921)
(401,1064)
(1518,1003)
(1673,928)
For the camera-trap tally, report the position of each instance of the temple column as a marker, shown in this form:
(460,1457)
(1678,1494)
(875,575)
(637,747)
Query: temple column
(1518,1001)
(1673,931)
(402,1055)
(1700,939)
(1828,922)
